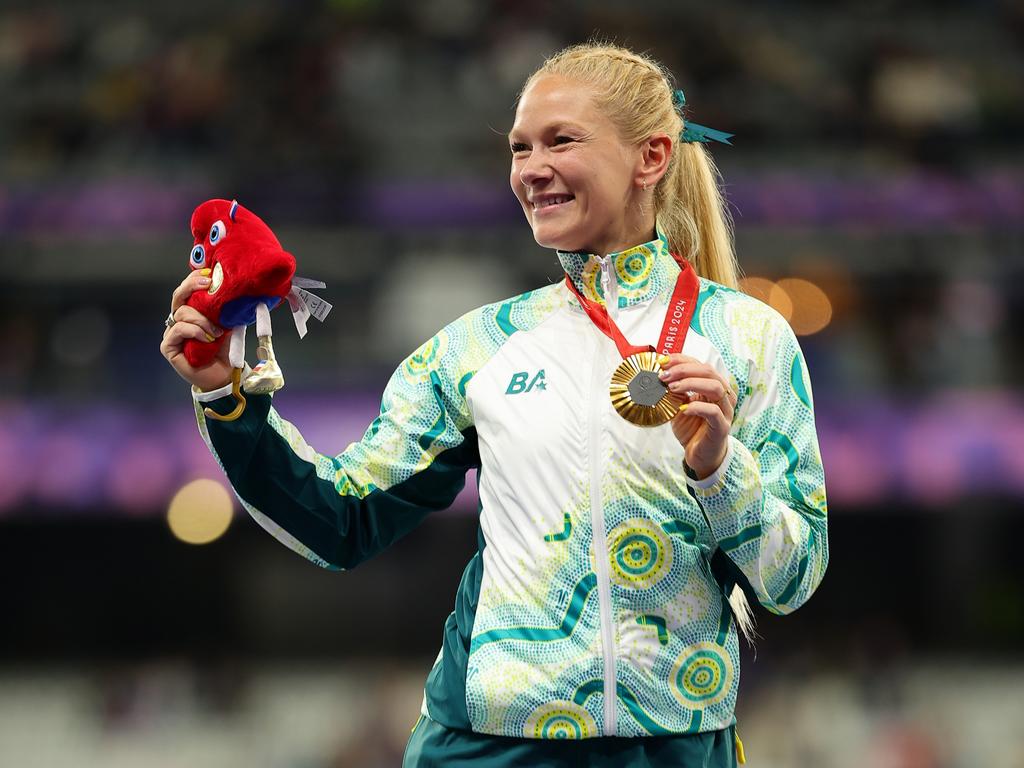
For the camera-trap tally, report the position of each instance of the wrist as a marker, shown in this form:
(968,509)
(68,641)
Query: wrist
(212,387)
(202,394)
(705,485)
(699,470)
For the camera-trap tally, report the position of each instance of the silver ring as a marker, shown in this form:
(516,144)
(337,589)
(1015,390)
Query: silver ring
(169,321)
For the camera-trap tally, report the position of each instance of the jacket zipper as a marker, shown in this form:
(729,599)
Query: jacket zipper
(600,539)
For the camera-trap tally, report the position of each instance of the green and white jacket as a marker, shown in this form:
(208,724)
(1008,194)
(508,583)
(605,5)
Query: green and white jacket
(592,607)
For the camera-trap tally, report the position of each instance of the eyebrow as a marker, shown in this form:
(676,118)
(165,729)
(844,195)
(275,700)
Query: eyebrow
(555,127)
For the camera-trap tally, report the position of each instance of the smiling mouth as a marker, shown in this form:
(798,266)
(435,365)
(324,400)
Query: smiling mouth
(216,279)
(552,201)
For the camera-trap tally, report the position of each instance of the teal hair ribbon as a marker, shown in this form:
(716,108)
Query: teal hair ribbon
(692,132)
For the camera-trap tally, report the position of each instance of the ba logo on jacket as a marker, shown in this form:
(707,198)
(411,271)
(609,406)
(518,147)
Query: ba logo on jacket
(519,383)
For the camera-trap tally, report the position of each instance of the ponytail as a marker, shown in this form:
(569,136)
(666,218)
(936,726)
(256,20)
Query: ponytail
(692,214)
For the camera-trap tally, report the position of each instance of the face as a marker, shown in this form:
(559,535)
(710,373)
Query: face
(576,180)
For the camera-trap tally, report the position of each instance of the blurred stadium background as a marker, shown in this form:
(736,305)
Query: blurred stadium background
(876,183)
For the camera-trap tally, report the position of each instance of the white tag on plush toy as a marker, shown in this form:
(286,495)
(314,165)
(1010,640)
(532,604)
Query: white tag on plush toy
(305,282)
(304,305)
(300,312)
(318,308)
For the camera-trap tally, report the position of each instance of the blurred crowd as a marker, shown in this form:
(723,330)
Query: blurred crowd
(254,93)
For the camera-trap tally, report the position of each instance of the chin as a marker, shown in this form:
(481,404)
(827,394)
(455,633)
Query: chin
(560,240)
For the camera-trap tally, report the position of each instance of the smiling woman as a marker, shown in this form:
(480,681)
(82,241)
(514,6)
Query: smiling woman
(605,120)
(644,439)
(569,171)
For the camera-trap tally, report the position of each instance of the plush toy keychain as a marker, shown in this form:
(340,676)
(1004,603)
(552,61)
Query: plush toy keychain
(250,275)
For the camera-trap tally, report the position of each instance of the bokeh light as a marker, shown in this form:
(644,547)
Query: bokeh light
(766,290)
(200,512)
(810,307)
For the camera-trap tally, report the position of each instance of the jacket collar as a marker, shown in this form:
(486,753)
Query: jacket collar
(640,272)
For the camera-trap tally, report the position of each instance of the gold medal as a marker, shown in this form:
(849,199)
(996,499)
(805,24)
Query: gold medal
(638,395)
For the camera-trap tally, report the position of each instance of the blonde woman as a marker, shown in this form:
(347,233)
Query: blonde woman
(644,437)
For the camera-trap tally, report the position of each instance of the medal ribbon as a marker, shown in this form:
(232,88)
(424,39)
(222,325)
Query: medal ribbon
(677,319)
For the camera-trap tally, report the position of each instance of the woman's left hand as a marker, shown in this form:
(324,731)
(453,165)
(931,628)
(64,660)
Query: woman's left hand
(703,423)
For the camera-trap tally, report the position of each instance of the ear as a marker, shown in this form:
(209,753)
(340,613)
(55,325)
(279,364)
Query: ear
(655,154)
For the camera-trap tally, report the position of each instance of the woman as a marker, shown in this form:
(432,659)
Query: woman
(549,641)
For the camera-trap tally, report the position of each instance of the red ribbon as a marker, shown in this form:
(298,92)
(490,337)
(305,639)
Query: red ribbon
(677,319)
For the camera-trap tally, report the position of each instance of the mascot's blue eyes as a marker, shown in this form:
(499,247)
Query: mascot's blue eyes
(217,232)
(198,256)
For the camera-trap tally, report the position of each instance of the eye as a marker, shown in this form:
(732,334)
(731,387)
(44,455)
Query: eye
(217,232)
(198,257)
(563,140)
(518,147)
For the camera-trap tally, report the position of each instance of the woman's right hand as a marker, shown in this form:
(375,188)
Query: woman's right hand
(190,324)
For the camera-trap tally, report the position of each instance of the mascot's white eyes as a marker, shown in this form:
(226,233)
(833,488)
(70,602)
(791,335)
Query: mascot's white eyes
(198,256)
(217,232)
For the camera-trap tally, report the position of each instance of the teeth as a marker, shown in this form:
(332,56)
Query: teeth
(216,279)
(558,200)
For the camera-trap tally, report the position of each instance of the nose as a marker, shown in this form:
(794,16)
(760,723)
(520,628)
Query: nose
(535,170)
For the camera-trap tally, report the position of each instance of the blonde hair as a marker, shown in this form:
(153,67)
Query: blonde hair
(633,91)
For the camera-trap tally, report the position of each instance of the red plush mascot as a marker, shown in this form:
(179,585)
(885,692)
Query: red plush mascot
(250,275)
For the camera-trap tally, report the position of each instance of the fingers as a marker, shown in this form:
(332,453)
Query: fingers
(187,314)
(176,336)
(675,367)
(703,424)
(686,377)
(198,279)
(711,390)
(710,413)
(685,427)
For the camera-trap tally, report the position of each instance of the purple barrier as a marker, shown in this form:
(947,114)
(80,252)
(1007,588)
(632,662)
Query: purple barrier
(133,206)
(108,459)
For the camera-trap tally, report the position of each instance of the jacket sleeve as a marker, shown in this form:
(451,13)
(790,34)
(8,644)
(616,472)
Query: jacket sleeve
(766,503)
(339,510)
